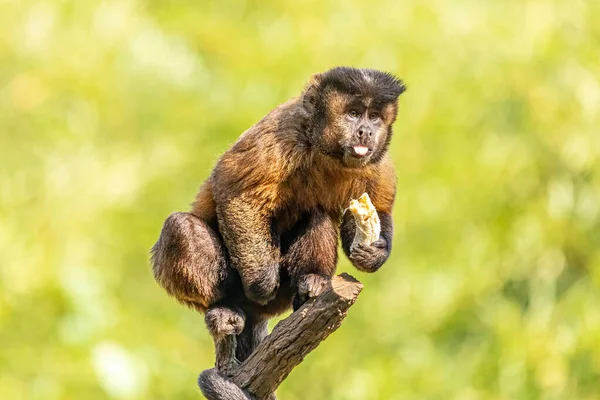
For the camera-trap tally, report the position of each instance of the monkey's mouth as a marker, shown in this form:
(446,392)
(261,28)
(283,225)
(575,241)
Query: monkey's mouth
(360,151)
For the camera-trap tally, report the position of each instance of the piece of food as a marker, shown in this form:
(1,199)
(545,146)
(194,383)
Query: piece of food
(367,222)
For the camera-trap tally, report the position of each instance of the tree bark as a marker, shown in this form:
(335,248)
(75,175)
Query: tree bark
(291,340)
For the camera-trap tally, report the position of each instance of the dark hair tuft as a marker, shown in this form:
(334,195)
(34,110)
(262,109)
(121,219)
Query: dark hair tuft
(382,86)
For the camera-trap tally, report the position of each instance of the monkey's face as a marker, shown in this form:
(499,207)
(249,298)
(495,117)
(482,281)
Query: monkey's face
(352,113)
(358,129)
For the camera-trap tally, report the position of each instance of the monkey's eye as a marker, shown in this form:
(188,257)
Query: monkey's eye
(374,116)
(353,114)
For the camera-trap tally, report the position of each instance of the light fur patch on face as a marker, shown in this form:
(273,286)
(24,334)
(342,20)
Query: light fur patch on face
(389,113)
(336,104)
(337,126)
(380,135)
(367,102)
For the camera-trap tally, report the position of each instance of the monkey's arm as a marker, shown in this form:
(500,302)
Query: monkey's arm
(245,186)
(368,258)
(245,225)
(382,190)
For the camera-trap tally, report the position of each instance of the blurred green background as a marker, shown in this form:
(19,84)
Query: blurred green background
(112,113)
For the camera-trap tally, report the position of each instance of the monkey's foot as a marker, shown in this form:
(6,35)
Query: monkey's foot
(224,325)
(222,321)
(309,286)
(312,285)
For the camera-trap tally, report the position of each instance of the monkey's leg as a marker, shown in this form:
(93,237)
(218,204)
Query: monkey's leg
(214,385)
(225,324)
(189,261)
(310,255)
(254,332)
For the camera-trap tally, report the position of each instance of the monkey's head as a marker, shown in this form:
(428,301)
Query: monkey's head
(352,112)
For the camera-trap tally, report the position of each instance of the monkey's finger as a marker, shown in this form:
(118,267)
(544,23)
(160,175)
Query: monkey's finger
(356,252)
(365,248)
(361,256)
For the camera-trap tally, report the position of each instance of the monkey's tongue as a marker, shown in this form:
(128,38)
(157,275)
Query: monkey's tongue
(361,150)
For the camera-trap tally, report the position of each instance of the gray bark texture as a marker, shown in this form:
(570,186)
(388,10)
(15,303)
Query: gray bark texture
(291,340)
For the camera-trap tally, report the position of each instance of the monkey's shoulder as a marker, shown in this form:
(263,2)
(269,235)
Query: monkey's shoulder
(265,154)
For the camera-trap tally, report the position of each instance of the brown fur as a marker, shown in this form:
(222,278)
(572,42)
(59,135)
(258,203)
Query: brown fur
(269,216)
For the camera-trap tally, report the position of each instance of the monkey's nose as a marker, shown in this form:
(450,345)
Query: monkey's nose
(364,131)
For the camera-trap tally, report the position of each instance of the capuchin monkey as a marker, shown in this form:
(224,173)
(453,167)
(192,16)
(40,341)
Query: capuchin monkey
(262,234)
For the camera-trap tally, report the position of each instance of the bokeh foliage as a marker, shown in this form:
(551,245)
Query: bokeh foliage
(113,112)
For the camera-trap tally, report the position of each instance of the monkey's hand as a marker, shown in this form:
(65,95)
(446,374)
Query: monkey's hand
(370,257)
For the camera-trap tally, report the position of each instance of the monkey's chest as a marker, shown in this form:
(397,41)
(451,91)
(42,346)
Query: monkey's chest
(305,198)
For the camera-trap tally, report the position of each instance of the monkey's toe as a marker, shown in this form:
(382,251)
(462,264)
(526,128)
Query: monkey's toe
(234,325)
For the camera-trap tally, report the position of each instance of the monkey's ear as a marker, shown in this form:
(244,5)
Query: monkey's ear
(311,91)
(314,80)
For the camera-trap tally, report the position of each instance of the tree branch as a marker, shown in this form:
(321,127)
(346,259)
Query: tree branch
(291,340)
